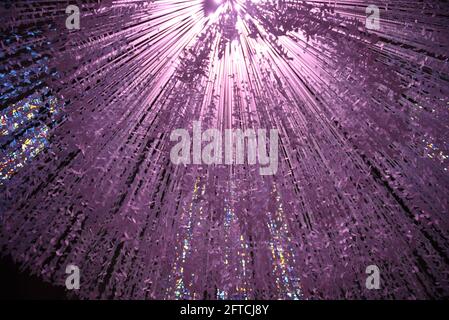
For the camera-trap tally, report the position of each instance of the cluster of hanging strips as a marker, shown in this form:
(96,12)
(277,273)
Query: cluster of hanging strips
(362,116)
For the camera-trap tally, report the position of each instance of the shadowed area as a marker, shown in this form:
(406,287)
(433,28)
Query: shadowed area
(18,285)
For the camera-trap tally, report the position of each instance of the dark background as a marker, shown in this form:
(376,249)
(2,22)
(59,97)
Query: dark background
(19,284)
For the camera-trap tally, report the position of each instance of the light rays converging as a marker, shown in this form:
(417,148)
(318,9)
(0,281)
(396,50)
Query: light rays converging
(362,117)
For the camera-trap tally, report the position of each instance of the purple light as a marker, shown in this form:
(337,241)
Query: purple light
(362,117)
(210,6)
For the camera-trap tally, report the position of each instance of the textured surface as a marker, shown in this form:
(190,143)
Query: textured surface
(363,123)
